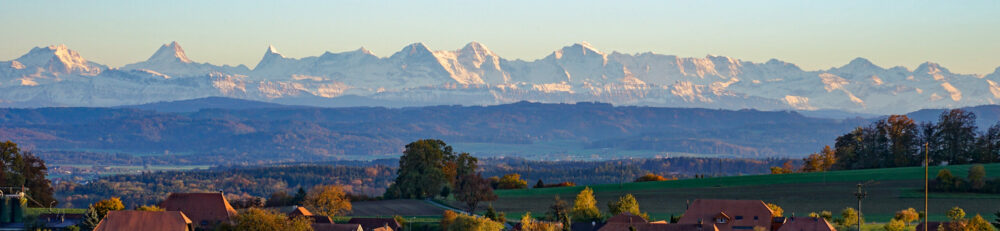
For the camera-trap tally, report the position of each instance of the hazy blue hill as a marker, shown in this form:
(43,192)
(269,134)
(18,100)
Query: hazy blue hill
(193,105)
(986,115)
(219,130)
(836,114)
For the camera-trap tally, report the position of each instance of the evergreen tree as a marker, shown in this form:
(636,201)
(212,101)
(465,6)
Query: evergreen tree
(300,196)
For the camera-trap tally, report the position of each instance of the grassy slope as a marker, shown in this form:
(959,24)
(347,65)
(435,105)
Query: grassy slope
(798,194)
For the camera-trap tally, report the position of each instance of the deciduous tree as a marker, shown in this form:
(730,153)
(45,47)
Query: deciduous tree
(421,172)
(447,218)
(472,189)
(151,208)
(97,211)
(895,225)
(512,181)
(956,214)
(20,168)
(474,223)
(329,200)
(977,177)
(775,209)
(585,207)
(624,204)
(255,219)
(848,217)
(907,215)
(977,223)
(650,177)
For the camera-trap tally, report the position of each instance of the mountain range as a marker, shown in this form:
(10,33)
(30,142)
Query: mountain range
(474,75)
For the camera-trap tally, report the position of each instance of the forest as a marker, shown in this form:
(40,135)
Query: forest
(371,178)
(899,141)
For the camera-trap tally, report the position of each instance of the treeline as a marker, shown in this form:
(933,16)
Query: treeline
(371,178)
(237,183)
(975,181)
(625,170)
(898,141)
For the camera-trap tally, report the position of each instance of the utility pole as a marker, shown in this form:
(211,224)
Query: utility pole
(861,194)
(927,166)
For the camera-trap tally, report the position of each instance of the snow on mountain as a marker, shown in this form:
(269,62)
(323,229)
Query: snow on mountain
(44,65)
(475,75)
(171,60)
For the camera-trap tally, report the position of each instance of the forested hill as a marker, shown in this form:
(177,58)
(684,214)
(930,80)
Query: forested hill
(256,135)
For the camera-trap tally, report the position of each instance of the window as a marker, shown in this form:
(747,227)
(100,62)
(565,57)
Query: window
(721,220)
(755,218)
(739,218)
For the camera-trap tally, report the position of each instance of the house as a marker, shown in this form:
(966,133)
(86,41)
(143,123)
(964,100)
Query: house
(145,220)
(586,226)
(299,211)
(206,210)
(336,227)
(370,224)
(729,215)
(806,224)
(933,225)
(628,221)
(58,222)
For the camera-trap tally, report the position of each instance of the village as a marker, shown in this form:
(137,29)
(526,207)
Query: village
(211,211)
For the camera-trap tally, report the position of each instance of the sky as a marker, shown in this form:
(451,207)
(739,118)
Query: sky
(960,35)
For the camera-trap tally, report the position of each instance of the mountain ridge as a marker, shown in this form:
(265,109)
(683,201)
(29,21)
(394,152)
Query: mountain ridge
(475,75)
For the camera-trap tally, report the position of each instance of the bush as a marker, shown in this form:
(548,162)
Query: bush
(895,225)
(650,177)
(512,181)
(470,223)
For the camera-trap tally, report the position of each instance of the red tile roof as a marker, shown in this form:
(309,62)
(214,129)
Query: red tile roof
(622,222)
(336,227)
(300,211)
(145,220)
(369,224)
(658,227)
(742,214)
(806,224)
(202,208)
(627,217)
(933,227)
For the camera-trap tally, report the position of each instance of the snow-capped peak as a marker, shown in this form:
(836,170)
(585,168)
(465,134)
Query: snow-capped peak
(364,50)
(862,62)
(476,48)
(272,50)
(930,68)
(57,58)
(414,50)
(170,52)
(587,45)
(859,65)
(581,48)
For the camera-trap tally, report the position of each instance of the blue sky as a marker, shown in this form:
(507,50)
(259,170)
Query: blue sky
(961,35)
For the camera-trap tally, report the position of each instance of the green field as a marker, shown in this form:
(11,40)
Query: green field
(799,194)
(566,150)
